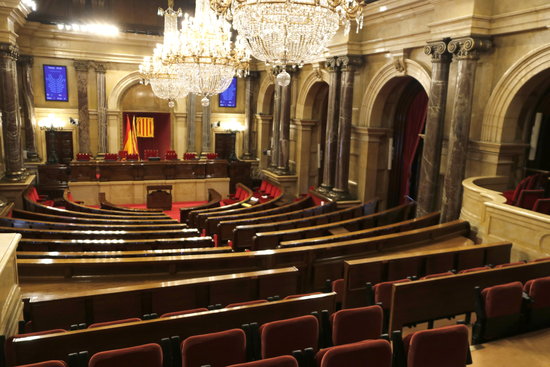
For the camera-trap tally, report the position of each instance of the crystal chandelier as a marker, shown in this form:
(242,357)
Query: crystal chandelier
(289,32)
(163,77)
(205,57)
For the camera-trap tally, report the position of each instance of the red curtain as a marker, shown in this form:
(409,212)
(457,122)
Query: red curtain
(416,118)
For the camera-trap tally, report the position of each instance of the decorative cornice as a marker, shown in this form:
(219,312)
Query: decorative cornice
(438,51)
(469,47)
(349,62)
(81,65)
(9,50)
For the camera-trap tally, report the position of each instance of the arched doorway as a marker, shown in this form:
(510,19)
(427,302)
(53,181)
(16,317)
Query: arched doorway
(408,123)
(316,106)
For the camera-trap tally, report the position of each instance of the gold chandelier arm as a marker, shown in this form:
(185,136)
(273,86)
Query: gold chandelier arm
(334,3)
(220,6)
(353,11)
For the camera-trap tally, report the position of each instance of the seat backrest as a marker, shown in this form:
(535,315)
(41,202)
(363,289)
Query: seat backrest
(46,364)
(542,206)
(114,322)
(527,198)
(356,324)
(539,290)
(446,346)
(471,270)
(375,353)
(382,292)
(215,349)
(149,355)
(503,299)
(338,288)
(281,361)
(509,264)
(282,337)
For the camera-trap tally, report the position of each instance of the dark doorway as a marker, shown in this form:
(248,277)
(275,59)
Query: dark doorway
(225,145)
(539,153)
(59,147)
(410,117)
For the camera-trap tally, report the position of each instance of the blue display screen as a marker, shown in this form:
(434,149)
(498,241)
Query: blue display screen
(55,83)
(228,98)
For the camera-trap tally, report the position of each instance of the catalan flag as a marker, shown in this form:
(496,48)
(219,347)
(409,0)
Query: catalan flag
(145,127)
(130,140)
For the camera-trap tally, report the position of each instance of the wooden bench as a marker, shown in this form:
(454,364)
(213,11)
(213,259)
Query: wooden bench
(243,235)
(406,225)
(272,239)
(162,297)
(24,214)
(74,206)
(193,215)
(58,346)
(316,263)
(395,266)
(437,298)
(36,224)
(51,244)
(105,204)
(102,254)
(100,234)
(212,224)
(214,199)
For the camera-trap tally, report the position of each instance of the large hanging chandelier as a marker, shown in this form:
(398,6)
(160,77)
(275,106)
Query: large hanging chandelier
(289,32)
(205,57)
(163,77)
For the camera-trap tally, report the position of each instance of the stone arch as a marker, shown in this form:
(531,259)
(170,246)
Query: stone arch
(265,93)
(308,91)
(382,85)
(510,94)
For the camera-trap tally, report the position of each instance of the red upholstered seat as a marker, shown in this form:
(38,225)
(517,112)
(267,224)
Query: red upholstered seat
(509,264)
(368,353)
(247,303)
(216,349)
(338,288)
(438,275)
(149,355)
(542,206)
(184,312)
(539,309)
(512,196)
(263,186)
(446,346)
(356,324)
(114,322)
(285,336)
(382,292)
(527,198)
(292,296)
(502,300)
(471,270)
(46,364)
(281,361)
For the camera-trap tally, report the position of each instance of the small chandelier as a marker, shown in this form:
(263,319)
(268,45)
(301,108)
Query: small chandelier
(205,57)
(289,32)
(163,77)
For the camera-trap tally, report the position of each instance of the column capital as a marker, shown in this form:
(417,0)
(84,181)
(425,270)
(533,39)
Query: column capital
(349,62)
(9,50)
(331,64)
(99,67)
(469,47)
(438,50)
(26,60)
(82,65)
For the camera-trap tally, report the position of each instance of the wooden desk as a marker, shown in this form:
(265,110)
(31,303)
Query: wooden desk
(159,197)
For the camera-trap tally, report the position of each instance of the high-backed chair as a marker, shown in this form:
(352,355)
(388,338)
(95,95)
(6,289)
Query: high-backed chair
(282,337)
(446,346)
(281,361)
(215,349)
(149,355)
(539,308)
(46,364)
(356,324)
(498,311)
(368,353)
(528,198)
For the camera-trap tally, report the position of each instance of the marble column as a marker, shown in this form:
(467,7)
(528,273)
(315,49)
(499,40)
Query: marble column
(466,52)
(435,121)
(81,68)
(26,98)
(206,130)
(9,105)
(191,123)
(348,65)
(249,112)
(101,108)
(284,131)
(275,127)
(331,134)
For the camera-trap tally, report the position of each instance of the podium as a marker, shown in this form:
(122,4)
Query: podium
(159,197)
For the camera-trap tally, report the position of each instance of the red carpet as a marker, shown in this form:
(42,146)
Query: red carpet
(174,213)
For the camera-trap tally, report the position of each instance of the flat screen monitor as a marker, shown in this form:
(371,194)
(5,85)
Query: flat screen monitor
(55,83)
(228,98)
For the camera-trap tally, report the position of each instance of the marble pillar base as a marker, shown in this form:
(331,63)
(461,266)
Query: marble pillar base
(339,195)
(323,189)
(13,190)
(288,182)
